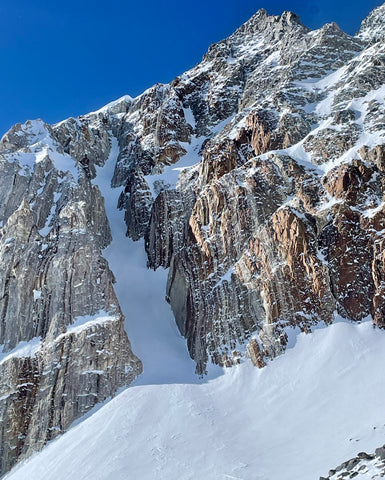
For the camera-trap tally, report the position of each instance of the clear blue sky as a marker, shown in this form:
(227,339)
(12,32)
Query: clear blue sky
(65,58)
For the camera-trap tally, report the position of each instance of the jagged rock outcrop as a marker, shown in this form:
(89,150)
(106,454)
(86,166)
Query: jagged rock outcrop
(286,238)
(363,466)
(259,241)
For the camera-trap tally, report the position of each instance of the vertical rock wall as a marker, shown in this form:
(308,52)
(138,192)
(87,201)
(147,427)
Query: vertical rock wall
(64,347)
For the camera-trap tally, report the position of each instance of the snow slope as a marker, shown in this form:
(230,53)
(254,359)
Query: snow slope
(150,324)
(310,409)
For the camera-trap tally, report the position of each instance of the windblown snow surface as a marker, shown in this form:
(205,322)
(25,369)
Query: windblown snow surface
(310,409)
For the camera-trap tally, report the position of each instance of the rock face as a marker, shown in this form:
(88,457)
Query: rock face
(363,466)
(257,178)
(64,347)
(280,223)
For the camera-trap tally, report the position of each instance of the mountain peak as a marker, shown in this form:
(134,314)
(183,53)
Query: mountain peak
(261,21)
(373,26)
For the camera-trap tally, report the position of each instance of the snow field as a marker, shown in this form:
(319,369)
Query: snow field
(307,411)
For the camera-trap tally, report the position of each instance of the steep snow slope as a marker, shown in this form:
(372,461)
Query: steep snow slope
(149,320)
(311,408)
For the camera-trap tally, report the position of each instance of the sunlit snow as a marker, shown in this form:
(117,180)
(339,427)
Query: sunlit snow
(308,410)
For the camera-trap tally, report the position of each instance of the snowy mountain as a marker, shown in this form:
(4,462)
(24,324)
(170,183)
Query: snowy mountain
(253,185)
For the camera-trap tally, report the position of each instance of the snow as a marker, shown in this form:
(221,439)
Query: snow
(8,240)
(301,156)
(189,116)
(307,411)
(48,225)
(30,348)
(369,135)
(41,145)
(329,202)
(125,99)
(22,349)
(150,324)
(86,321)
(272,59)
(36,295)
(371,212)
(221,125)
(366,469)
(323,83)
(226,277)
(169,177)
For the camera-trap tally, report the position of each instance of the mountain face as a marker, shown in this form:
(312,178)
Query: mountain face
(257,178)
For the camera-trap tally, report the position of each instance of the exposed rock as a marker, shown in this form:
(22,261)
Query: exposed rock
(371,30)
(261,131)
(374,155)
(168,227)
(380,452)
(346,245)
(329,144)
(137,201)
(364,465)
(255,353)
(86,142)
(258,250)
(355,183)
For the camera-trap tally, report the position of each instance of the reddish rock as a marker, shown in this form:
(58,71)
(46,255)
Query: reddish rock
(255,353)
(348,251)
(375,155)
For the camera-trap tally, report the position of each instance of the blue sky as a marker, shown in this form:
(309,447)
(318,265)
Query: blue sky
(66,58)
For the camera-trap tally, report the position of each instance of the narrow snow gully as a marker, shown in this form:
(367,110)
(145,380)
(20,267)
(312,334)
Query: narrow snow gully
(150,324)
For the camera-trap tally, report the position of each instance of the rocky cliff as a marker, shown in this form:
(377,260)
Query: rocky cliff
(257,178)
(279,223)
(64,347)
